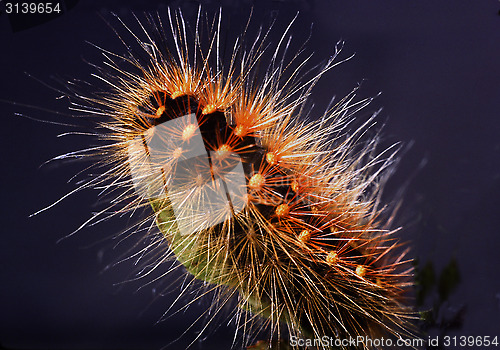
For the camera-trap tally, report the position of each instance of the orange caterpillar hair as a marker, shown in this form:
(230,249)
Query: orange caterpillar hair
(281,214)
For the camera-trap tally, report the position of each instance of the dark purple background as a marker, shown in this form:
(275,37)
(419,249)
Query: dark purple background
(438,66)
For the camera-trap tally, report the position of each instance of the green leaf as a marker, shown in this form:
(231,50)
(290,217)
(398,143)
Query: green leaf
(449,280)
(425,280)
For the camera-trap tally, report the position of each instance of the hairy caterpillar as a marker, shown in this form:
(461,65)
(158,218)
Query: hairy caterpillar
(280,214)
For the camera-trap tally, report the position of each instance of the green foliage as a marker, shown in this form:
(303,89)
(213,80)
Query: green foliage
(437,291)
(449,280)
(425,279)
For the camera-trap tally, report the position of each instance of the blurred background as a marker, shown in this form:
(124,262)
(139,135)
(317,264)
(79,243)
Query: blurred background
(437,66)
